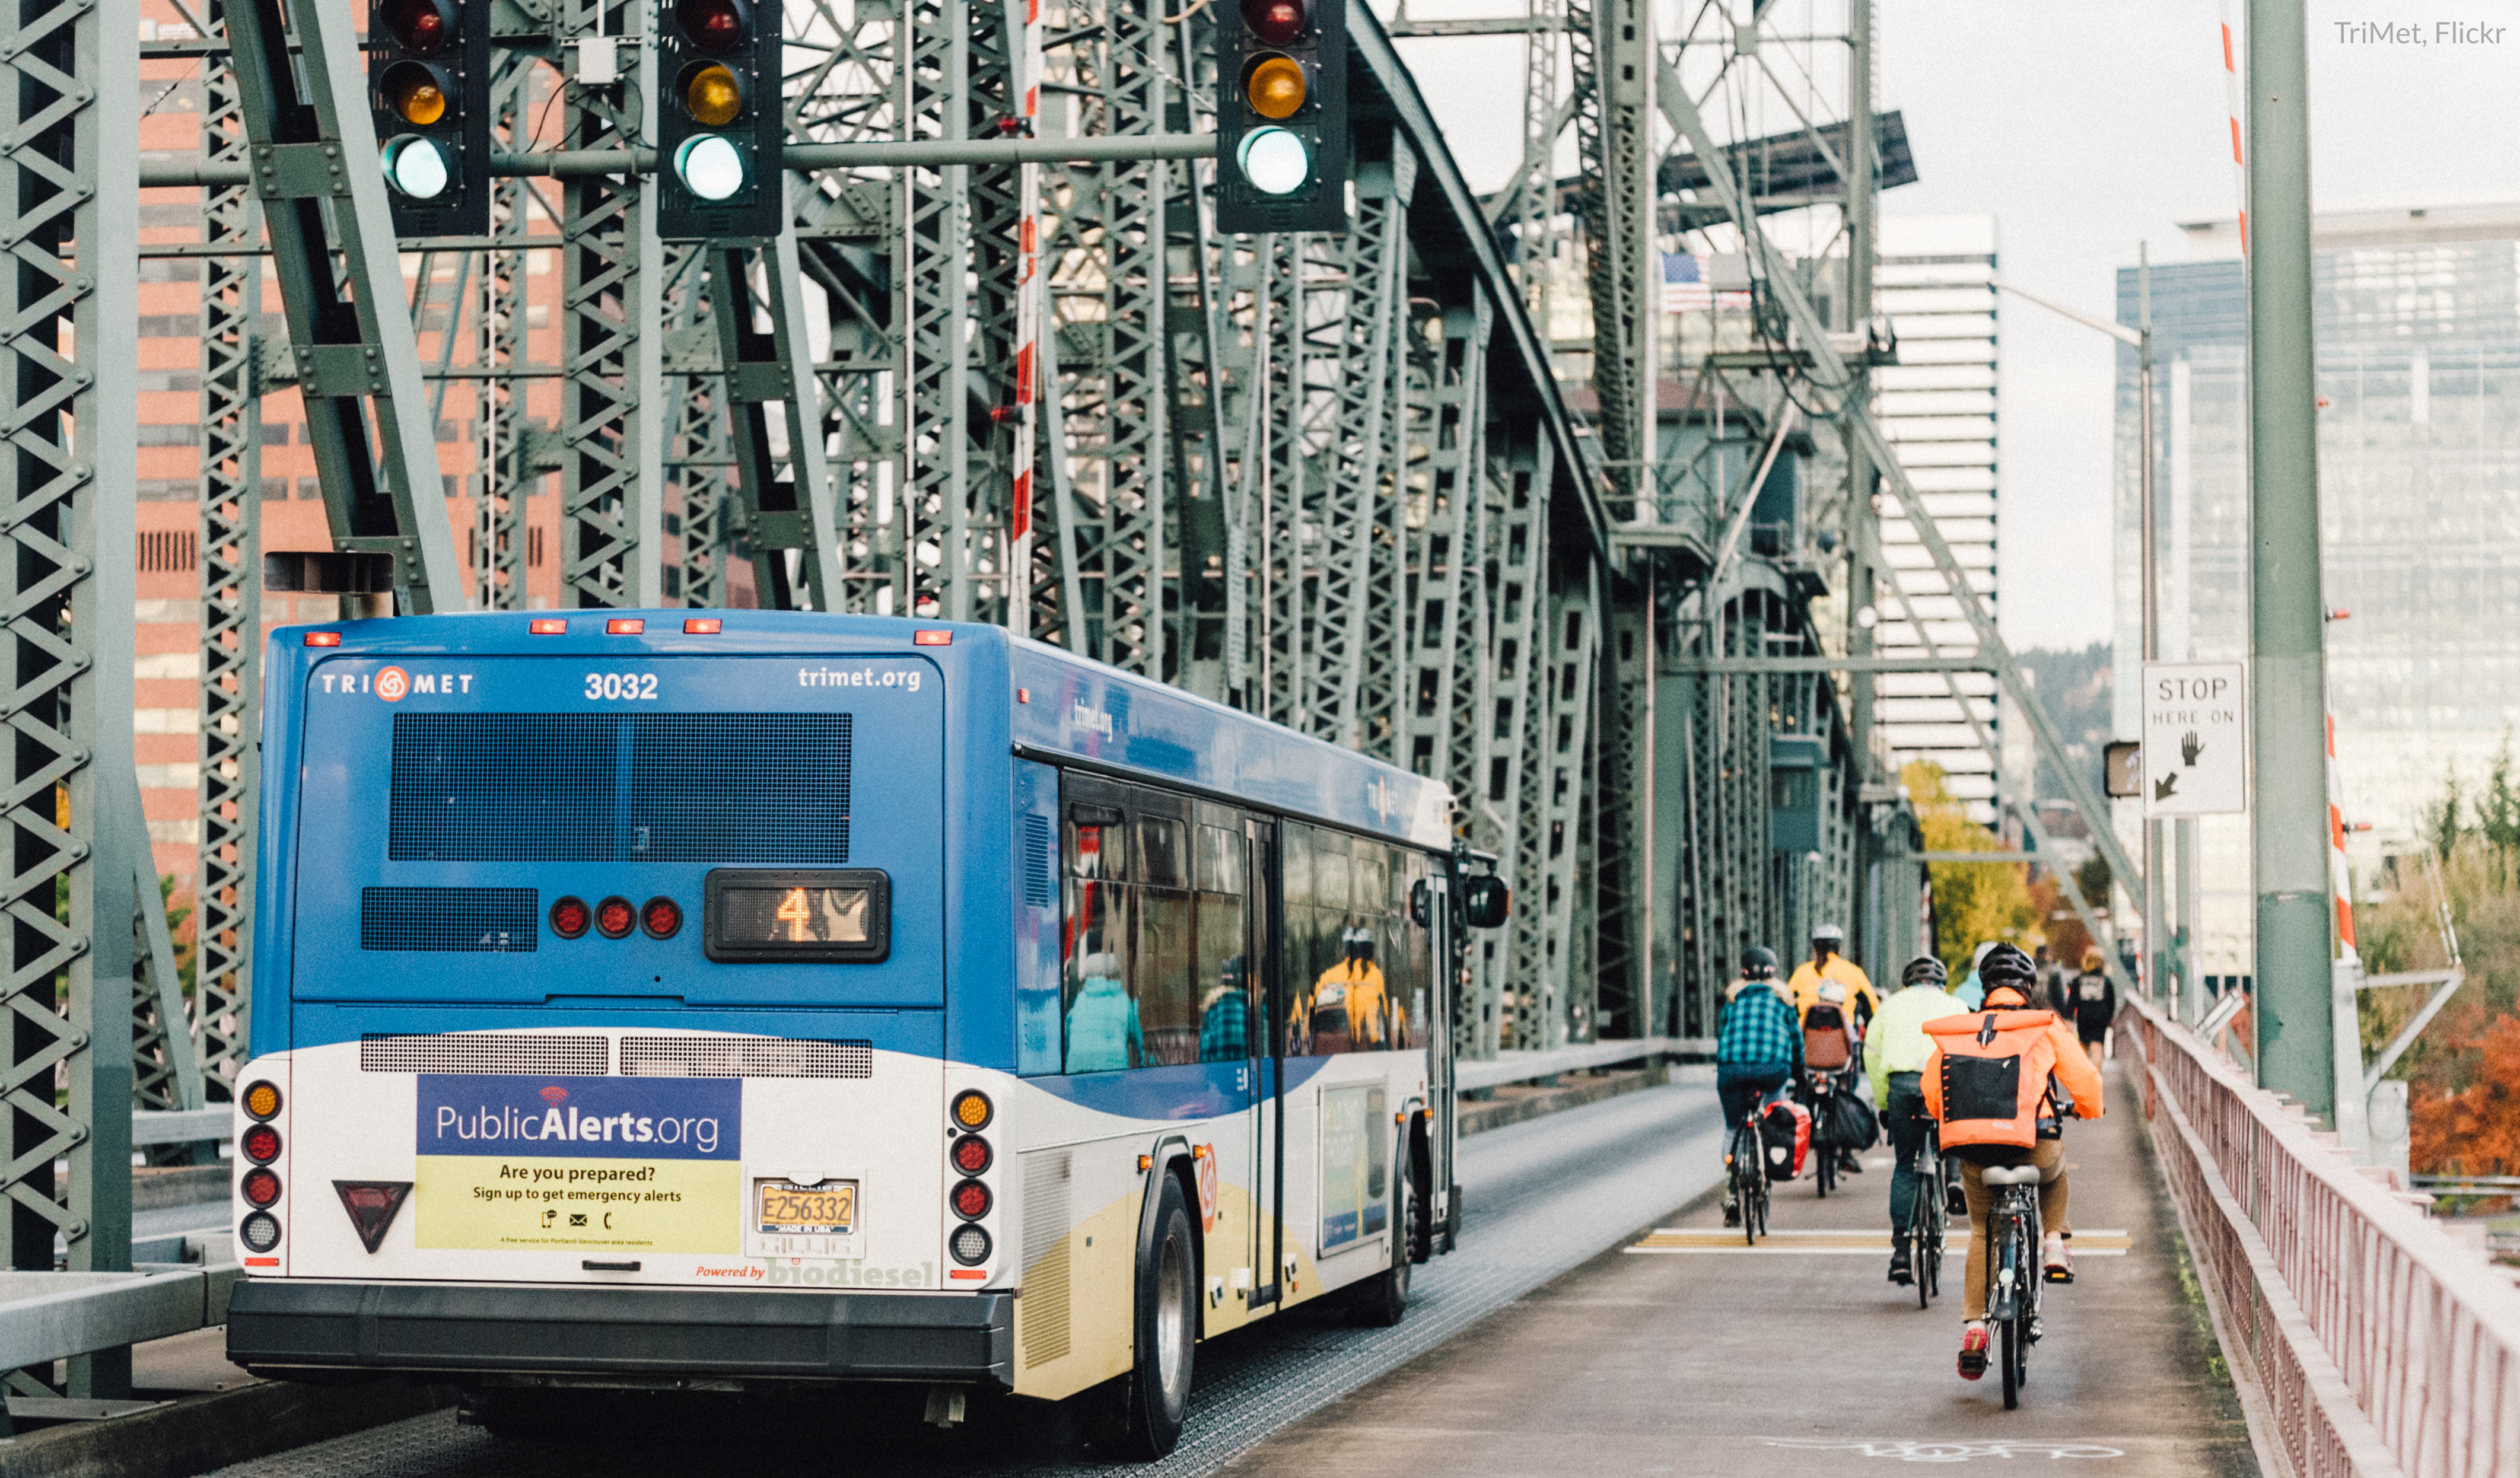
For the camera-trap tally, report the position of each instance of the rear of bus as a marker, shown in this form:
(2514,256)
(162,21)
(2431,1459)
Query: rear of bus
(599,1016)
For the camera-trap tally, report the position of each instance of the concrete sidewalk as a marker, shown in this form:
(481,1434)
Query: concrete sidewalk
(1800,1358)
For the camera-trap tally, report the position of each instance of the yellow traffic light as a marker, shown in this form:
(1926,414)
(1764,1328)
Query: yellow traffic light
(711,95)
(1275,87)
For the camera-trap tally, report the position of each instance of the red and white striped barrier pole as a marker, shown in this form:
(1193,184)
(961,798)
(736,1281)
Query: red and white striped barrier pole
(1029,312)
(2340,876)
(2232,99)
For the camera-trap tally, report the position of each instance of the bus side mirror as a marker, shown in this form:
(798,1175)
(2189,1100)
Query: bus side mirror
(1421,903)
(1484,902)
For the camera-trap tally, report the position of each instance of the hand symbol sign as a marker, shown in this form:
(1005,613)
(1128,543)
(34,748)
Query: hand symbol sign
(2190,746)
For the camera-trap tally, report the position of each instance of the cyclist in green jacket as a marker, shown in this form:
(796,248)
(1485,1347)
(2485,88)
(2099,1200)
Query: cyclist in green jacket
(1895,1052)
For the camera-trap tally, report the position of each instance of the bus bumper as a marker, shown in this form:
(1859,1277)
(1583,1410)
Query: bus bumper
(275,1327)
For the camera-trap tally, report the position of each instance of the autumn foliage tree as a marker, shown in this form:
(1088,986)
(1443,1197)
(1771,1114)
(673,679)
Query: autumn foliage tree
(2475,1131)
(1973,901)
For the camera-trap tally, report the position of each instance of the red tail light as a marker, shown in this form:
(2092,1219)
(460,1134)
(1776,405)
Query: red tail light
(625,626)
(971,1154)
(260,1143)
(547,626)
(615,918)
(661,917)
(970,1200)
(569,917)
(703,626)
(260,1188)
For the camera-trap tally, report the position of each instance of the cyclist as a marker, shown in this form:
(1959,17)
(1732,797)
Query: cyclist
(1895,1053)
(2030,1130)
(1758,1048)
(2092,1004)
(1829,963)
(1829,1048)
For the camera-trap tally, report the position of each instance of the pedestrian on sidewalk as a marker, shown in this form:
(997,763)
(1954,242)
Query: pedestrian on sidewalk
(1895,1054)
(2092,1005)
(1758,1049)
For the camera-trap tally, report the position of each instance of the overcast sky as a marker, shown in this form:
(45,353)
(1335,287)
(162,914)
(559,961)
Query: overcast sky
(2086,129)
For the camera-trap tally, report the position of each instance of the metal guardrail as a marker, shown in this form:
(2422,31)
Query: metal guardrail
(182,1126)
(2377,1343)
(1523,1068)
(45,1316)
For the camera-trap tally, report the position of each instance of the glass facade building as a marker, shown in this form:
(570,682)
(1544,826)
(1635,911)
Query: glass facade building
(2418,372)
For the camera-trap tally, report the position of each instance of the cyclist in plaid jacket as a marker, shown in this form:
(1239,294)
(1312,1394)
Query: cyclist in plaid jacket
(1758,1045)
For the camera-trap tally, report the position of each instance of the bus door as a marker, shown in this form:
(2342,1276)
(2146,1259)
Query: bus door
(1267,1065)
(1444,969)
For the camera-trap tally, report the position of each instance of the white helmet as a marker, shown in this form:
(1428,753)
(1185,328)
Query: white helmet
(1833,992)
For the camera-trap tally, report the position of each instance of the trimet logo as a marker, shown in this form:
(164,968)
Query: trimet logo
(393,685)
(1381,797)
(1082,715)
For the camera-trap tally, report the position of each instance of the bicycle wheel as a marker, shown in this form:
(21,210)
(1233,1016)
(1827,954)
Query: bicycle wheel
(2011,1352)
(1939,1234)
(1922,1243)
(1748,1190)
(1827,1168)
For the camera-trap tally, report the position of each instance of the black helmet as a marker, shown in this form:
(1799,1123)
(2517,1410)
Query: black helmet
(2005,965)
(1758,963)
(1925,969)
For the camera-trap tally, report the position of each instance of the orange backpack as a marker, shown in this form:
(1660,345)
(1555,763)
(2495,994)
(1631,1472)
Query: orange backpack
(1989,1082)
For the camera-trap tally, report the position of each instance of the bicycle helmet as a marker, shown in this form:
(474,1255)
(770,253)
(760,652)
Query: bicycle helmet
(1758,963)
(1833,992)
(1925,969)
(2005,965)
(1828,933)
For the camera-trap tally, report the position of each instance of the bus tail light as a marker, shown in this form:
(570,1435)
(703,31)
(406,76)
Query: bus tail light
(547,626)
(971,1109)
(969,1245)
(971,1154)
(702,626)
(261,1232)
(625,626)
(569,917)
(971,1202)
(661,917)
(262,1100)
(371,1205)
(260,1143)
(260,1187)
(615,918)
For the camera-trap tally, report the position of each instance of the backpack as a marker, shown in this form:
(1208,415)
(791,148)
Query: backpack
(1825,1043)
(1784,1137)
(1991,1081)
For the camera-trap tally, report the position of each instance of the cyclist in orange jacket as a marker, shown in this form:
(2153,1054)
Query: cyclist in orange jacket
(2032,1134)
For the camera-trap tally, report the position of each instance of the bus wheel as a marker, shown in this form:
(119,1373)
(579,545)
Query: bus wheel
(1143,1411)
(1383,1298)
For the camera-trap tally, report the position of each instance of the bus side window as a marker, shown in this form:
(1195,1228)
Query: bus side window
(1366,946)
(1167,1008)
(1104,1033)
(1326,1017)
(1413,974)
(1225,977)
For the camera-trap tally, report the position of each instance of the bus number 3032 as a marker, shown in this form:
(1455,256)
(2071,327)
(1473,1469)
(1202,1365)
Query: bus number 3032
(621,685)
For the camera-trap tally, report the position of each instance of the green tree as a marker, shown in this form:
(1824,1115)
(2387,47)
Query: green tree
(1973,901)
(2497,813)
(2440,821)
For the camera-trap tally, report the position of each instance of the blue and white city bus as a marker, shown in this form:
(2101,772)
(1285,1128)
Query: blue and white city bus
(750,1000)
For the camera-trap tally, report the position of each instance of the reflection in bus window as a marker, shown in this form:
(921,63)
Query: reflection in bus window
(1225,983)
(1102,1029)
(1166,1003)
(1159,852)
(1296,865)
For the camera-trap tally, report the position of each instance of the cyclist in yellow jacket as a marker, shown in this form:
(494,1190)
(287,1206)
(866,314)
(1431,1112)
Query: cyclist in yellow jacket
(1828,961)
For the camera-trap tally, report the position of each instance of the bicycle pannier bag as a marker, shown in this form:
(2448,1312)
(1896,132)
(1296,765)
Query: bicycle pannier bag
(1784,1137)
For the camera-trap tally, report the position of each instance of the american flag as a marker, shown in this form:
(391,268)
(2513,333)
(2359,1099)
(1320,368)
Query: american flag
(1684,284)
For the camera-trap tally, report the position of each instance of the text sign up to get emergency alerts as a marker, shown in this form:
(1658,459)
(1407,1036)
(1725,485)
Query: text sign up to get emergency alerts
(2196,739)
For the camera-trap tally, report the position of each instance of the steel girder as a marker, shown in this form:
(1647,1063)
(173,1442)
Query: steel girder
(231,636)
(68,348)
(611,461)
(510,470)
(1620,849)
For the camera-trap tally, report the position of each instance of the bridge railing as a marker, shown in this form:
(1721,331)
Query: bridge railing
(2375,1344)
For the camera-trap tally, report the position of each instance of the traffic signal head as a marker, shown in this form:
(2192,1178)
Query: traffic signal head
(1282,130)
(429,71)
(720,130)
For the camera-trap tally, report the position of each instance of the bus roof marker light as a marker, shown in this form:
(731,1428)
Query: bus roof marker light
(323,639)
(702,626)
(547,626)
(625,626)
(931,639)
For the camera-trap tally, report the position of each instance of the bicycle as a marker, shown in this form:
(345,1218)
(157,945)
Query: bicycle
(1928,1220)
(1816,1092)
(1746,1160)
(2014,1274)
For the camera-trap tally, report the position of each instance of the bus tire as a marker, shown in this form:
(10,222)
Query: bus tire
(1382,1300)
(1143,1411)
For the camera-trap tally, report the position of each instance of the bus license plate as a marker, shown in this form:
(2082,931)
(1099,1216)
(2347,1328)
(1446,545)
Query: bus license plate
(825,1208)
